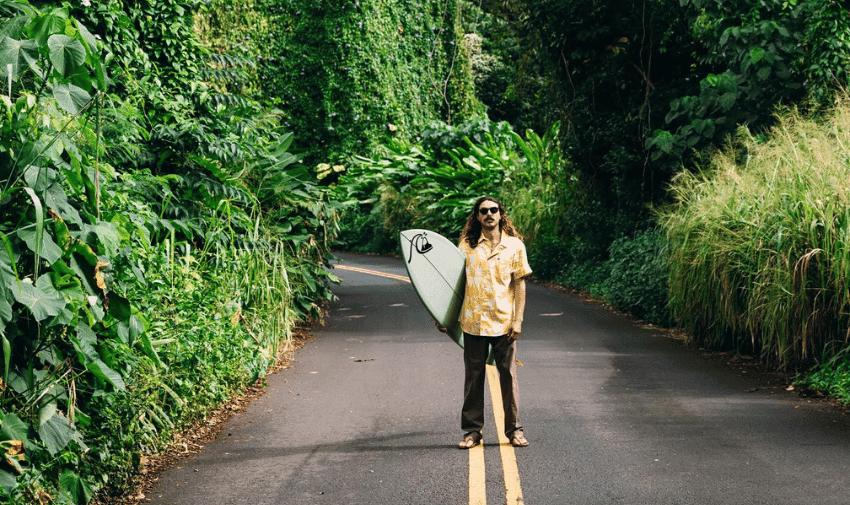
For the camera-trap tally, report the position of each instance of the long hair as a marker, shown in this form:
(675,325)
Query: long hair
(471,233)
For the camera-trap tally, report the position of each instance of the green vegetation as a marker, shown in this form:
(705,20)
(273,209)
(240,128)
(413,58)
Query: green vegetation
(760,244)
(172,173)
(433,184)
(159,242)
(831,376)
(349,73)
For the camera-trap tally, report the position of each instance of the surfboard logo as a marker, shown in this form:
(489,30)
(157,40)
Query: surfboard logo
(420,243)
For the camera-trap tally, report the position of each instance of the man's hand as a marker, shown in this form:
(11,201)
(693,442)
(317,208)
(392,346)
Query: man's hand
(515,331)
(442,329)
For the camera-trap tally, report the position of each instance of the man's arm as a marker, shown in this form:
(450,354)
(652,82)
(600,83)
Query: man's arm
(519,309)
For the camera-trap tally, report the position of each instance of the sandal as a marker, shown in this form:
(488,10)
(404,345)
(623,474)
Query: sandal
(518,439)
(470,440)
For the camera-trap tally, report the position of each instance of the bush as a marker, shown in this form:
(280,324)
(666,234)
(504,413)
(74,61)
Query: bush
(637,282)
(585,275)
(831,376)
(548,255)
(362,230)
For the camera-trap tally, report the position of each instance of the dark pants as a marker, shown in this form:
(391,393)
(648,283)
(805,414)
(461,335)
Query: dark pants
(475,351)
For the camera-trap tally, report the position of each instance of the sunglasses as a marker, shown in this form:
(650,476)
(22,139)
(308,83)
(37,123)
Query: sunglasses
(484,210)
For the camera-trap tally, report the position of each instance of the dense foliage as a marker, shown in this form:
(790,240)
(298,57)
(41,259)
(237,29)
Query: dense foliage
(645,91)
(760,243)
(434,183)
(645,88)
(157,224)
(158,241)
(348,73)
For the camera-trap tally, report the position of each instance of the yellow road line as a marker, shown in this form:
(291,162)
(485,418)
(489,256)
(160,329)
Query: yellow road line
(373,272)
(477,483)
(513,489)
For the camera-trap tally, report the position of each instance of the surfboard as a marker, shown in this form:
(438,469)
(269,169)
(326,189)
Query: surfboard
(436,268)
(437,271)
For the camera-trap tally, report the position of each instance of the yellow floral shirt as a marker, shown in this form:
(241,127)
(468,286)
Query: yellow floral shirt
(488,303)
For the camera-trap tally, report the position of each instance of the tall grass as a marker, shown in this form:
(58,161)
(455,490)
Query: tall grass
(263,293)
(759,245)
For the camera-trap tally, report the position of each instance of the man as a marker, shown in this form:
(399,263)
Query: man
(492,314)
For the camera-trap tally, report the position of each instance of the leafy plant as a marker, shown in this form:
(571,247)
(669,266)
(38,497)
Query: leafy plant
(752,52)
(831,376)
(759,244)
(195,247)
(66,329)
(827,49)
(637,282)
(434,185)
(350,73)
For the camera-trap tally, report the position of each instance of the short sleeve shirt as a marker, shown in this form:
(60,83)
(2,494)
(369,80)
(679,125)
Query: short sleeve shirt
(488,303)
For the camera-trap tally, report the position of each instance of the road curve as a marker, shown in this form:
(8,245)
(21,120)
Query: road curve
(616,413)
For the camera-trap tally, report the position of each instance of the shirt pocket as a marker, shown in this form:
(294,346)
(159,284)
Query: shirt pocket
(503,268)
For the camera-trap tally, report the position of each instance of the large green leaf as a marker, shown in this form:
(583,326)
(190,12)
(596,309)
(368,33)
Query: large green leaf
(7,481)
(47,24)
(18,53)
(86,36)
(41,304)
(13,27)
(12,428)
(66,53)
(50,283)
(48,248)
(56,432)
(85,342)
(39,178)
(107,235)
(75,487)
(102,371)
(46,412)
(70,97)
(8,279)
(119,307)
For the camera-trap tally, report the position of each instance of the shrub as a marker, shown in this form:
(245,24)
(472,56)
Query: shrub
(548,255)
(637,282)
(831,376)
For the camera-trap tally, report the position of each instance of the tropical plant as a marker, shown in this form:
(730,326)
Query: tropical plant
(758,244)
(147,236)
(67,330)
(350,73)
(434,185)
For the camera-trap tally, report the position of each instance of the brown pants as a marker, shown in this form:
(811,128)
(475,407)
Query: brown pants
(475,351)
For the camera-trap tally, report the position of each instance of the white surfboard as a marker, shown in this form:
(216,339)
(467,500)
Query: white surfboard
(436,268)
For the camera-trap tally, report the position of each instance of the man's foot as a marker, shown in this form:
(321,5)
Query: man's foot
(470,440)
(518,439)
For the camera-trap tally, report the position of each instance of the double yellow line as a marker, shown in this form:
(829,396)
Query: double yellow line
(513,489)
(477,482)
(373,272)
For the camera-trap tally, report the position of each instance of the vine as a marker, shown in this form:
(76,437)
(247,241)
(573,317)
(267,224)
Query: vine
(348,74)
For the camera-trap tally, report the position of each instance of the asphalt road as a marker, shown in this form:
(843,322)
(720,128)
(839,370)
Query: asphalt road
(616,413)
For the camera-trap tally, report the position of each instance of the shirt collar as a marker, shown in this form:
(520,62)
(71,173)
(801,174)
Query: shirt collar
(499,247)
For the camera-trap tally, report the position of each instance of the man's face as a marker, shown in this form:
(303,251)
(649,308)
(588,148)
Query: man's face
(488,215)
